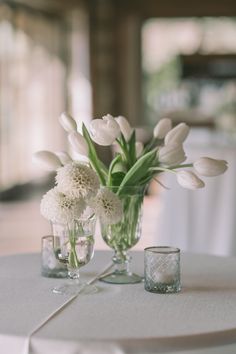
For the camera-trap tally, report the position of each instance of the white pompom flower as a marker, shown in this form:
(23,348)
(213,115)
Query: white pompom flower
(107,206)
(59,208)
(77,180)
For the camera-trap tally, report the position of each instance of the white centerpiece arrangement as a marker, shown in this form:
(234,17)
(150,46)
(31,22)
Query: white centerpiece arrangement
(115,193)
(72,207)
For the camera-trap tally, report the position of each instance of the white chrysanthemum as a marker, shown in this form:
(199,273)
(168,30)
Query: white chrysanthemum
(59,208)
(77,180)
(107,206)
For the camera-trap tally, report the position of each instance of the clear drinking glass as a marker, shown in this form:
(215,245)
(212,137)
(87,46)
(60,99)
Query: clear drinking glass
(75,251)
(162,269)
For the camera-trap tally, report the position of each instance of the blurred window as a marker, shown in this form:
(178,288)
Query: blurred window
(44,70)
(189,70)
(31,91)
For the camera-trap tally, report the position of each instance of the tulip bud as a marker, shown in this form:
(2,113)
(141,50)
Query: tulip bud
(188,179)
(67,122)
(47,159)
(171,154)
(178,134)
(162,128)
(125,127)
(104,131)
(64,157)
(78,143)
(209,167)
(138,148)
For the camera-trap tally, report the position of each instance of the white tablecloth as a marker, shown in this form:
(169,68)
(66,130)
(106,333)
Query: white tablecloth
(204,220)
(120,319)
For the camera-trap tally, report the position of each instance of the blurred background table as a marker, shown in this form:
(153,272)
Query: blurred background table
(202,220)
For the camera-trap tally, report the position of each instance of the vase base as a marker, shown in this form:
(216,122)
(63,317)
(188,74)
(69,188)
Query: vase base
(121,278)
(74,289)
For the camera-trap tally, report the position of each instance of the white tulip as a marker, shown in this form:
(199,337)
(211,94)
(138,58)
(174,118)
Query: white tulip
(138,148)
(47,159)
(125,127)
(209,167)
(178,134)
(64,157)
(162,128)
(188,179)
(67,122)
(171,154)
(104,131)
(78,143)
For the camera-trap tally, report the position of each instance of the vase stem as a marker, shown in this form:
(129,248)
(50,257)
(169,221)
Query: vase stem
(121,274)
(121,262)
(73,273)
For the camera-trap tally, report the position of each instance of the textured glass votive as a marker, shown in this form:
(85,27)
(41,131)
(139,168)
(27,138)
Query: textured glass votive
(162,269)
(50,266)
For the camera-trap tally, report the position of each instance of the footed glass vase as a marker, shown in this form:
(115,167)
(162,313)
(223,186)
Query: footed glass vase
(124,235)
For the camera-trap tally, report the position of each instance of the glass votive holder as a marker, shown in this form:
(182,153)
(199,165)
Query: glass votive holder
(162,269)
(50,265)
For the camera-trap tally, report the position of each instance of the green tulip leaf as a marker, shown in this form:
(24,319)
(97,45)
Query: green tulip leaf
(132,148)
(117,178)
(139,170)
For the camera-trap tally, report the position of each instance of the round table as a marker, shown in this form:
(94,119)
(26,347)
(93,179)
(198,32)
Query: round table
(119,319)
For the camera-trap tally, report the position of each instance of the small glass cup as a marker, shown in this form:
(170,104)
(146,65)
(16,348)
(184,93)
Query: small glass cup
(50,265)
(162,269)
(75,250)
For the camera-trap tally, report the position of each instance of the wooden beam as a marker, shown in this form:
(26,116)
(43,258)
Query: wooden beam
(56,7)
(177,8)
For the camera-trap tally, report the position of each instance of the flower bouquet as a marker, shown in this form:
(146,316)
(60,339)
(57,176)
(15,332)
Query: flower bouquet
(72,207)
(118,202)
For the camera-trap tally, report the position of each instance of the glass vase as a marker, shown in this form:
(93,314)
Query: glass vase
(124,235)
(76,249)
(50,266)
